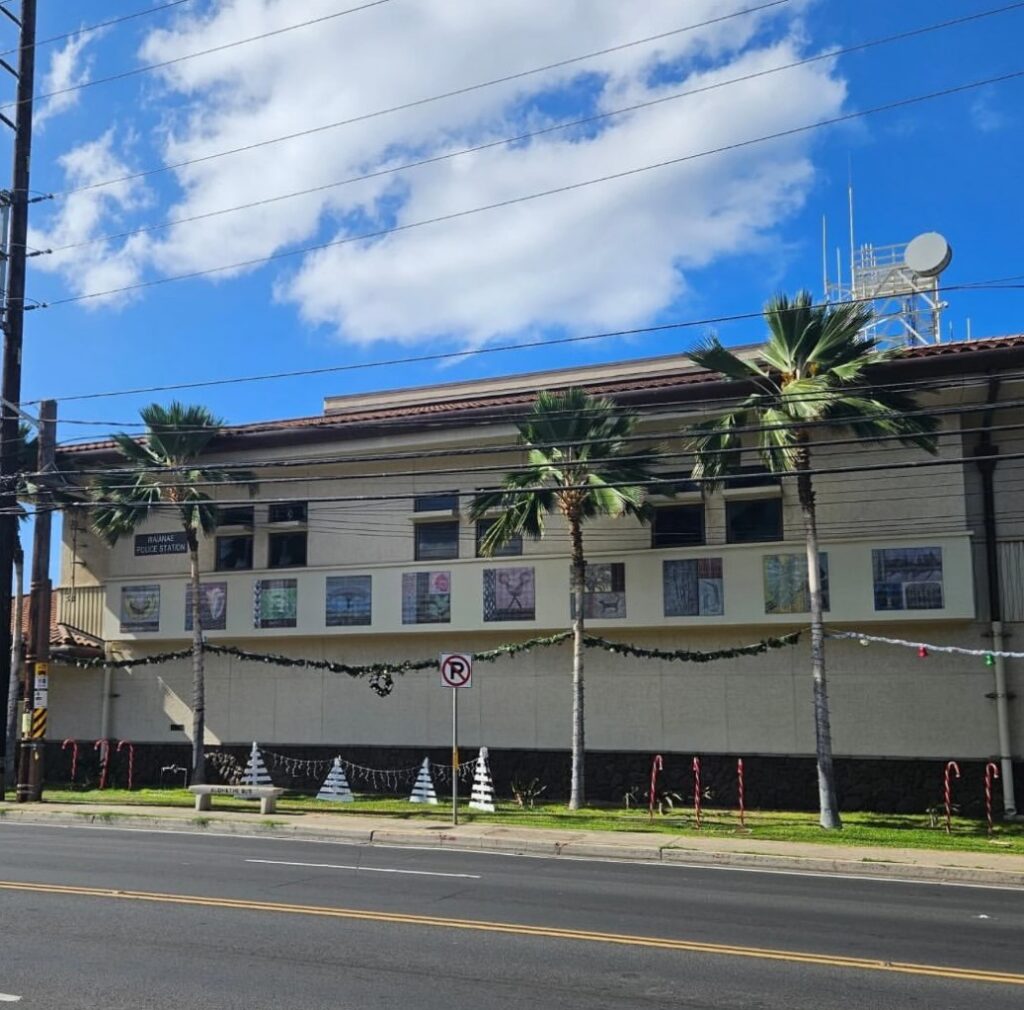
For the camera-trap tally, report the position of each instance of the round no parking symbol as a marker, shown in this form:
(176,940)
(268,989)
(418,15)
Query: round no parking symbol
(456,669)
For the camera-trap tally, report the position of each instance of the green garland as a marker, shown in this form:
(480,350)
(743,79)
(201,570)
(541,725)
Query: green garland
(381,675)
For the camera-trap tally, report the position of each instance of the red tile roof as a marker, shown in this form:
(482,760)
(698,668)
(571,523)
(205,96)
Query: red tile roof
(64,637)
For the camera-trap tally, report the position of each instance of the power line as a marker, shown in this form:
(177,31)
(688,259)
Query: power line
(416,103)
(135,71)
(515,139)
(514,201)
(89,29)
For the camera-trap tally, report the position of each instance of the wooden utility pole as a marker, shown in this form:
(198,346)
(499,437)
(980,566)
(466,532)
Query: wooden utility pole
(13,328)
(37,696)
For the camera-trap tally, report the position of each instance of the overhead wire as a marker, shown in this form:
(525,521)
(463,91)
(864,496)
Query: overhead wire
(477,148)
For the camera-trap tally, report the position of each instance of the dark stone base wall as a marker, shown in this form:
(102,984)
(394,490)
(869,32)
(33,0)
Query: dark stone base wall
(772,782)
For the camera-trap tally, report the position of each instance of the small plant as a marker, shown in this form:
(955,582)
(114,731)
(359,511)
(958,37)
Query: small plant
(201,822)
(525,793)
(937,814)
(664,799)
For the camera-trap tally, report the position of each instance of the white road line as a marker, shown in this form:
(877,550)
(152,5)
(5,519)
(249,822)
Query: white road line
(364,869)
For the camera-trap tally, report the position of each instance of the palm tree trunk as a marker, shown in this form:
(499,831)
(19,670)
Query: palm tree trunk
(579,568)
(17,645)
(198,679)
(828,807)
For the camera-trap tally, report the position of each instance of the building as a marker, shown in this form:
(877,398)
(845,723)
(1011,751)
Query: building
(355,546)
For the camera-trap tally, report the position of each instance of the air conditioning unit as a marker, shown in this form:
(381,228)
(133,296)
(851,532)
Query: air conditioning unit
(922,596)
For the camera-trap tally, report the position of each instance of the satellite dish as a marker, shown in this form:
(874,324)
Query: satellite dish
(928,254)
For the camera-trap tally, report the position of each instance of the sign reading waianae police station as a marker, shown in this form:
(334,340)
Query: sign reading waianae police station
(147,544)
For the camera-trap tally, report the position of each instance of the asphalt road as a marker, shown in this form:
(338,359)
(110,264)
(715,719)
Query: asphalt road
(121,920)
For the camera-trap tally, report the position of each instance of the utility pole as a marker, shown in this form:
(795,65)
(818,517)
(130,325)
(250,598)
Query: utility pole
(37,702)
(13,329)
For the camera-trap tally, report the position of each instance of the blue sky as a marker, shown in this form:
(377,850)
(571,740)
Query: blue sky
(684,242)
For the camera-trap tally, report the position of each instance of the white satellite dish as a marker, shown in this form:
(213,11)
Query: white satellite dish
(928,254)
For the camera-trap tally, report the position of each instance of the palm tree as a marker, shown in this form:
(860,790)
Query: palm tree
(580,463)
(165,472)
(813,369)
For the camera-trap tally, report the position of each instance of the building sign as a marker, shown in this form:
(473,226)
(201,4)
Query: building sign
(349,600)
(276,603)
(148,544)
(140,608)
(213,606)
(509,594)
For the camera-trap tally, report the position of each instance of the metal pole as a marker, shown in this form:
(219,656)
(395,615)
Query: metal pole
(455,756)
(13,326)
(33,746)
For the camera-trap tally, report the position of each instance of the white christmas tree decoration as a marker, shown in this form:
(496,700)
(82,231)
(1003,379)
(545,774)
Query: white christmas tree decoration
(335,788)
(255,774)
(423,790)
(482,797)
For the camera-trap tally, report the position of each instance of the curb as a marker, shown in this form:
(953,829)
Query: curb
(580,847)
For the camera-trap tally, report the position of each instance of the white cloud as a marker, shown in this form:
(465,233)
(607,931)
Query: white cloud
(606,255)
(80,219)
(985,115)
(67,70)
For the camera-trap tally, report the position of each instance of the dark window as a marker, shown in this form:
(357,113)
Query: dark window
(678,526)
(234,553)
(753,521)
(442,501)
(673,482)
(286,550)
(435,541)
(289,512)
(751,476)
(238,515)
(511,549)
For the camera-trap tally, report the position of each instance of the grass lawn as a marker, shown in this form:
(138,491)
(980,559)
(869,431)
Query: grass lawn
(894,830)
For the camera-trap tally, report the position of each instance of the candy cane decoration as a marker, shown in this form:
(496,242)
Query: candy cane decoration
(696,791)
(656,766)
(948,794)
(103,746)
(73,744)
(131,759)
(740,792)
(991,772)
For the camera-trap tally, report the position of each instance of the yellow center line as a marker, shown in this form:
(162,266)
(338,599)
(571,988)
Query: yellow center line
(622,939)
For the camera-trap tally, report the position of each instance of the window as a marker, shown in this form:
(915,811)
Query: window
(671,482)
(785,583)
(238,515)
(287,512)
(751,476)
(286,550)
(234,553)
(441,501)
(908,578)
(436,541)
(754,520)
(678,526)
(693,587)
(512,549)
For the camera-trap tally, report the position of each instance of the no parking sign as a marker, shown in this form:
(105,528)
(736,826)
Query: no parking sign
(456,669)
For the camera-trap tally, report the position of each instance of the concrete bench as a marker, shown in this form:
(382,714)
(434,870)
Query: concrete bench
(267,795)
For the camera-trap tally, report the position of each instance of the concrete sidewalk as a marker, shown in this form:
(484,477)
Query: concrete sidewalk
(742,851)
(360,829)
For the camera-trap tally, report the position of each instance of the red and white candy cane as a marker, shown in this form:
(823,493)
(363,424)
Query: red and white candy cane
(73,744)
(656,766)
(991,772)
(951,766)
(103,746)
(131,759)
(740,792)
(696,791)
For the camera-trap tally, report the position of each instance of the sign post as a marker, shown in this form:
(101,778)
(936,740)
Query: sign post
(456,673)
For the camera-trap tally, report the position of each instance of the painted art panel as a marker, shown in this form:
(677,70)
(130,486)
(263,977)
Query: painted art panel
(276,603)
(140,608)
(509,594)
(604,592)
(213,606)
(349,600)
(693,587)
(785,583)
(426,598)
(908,578)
